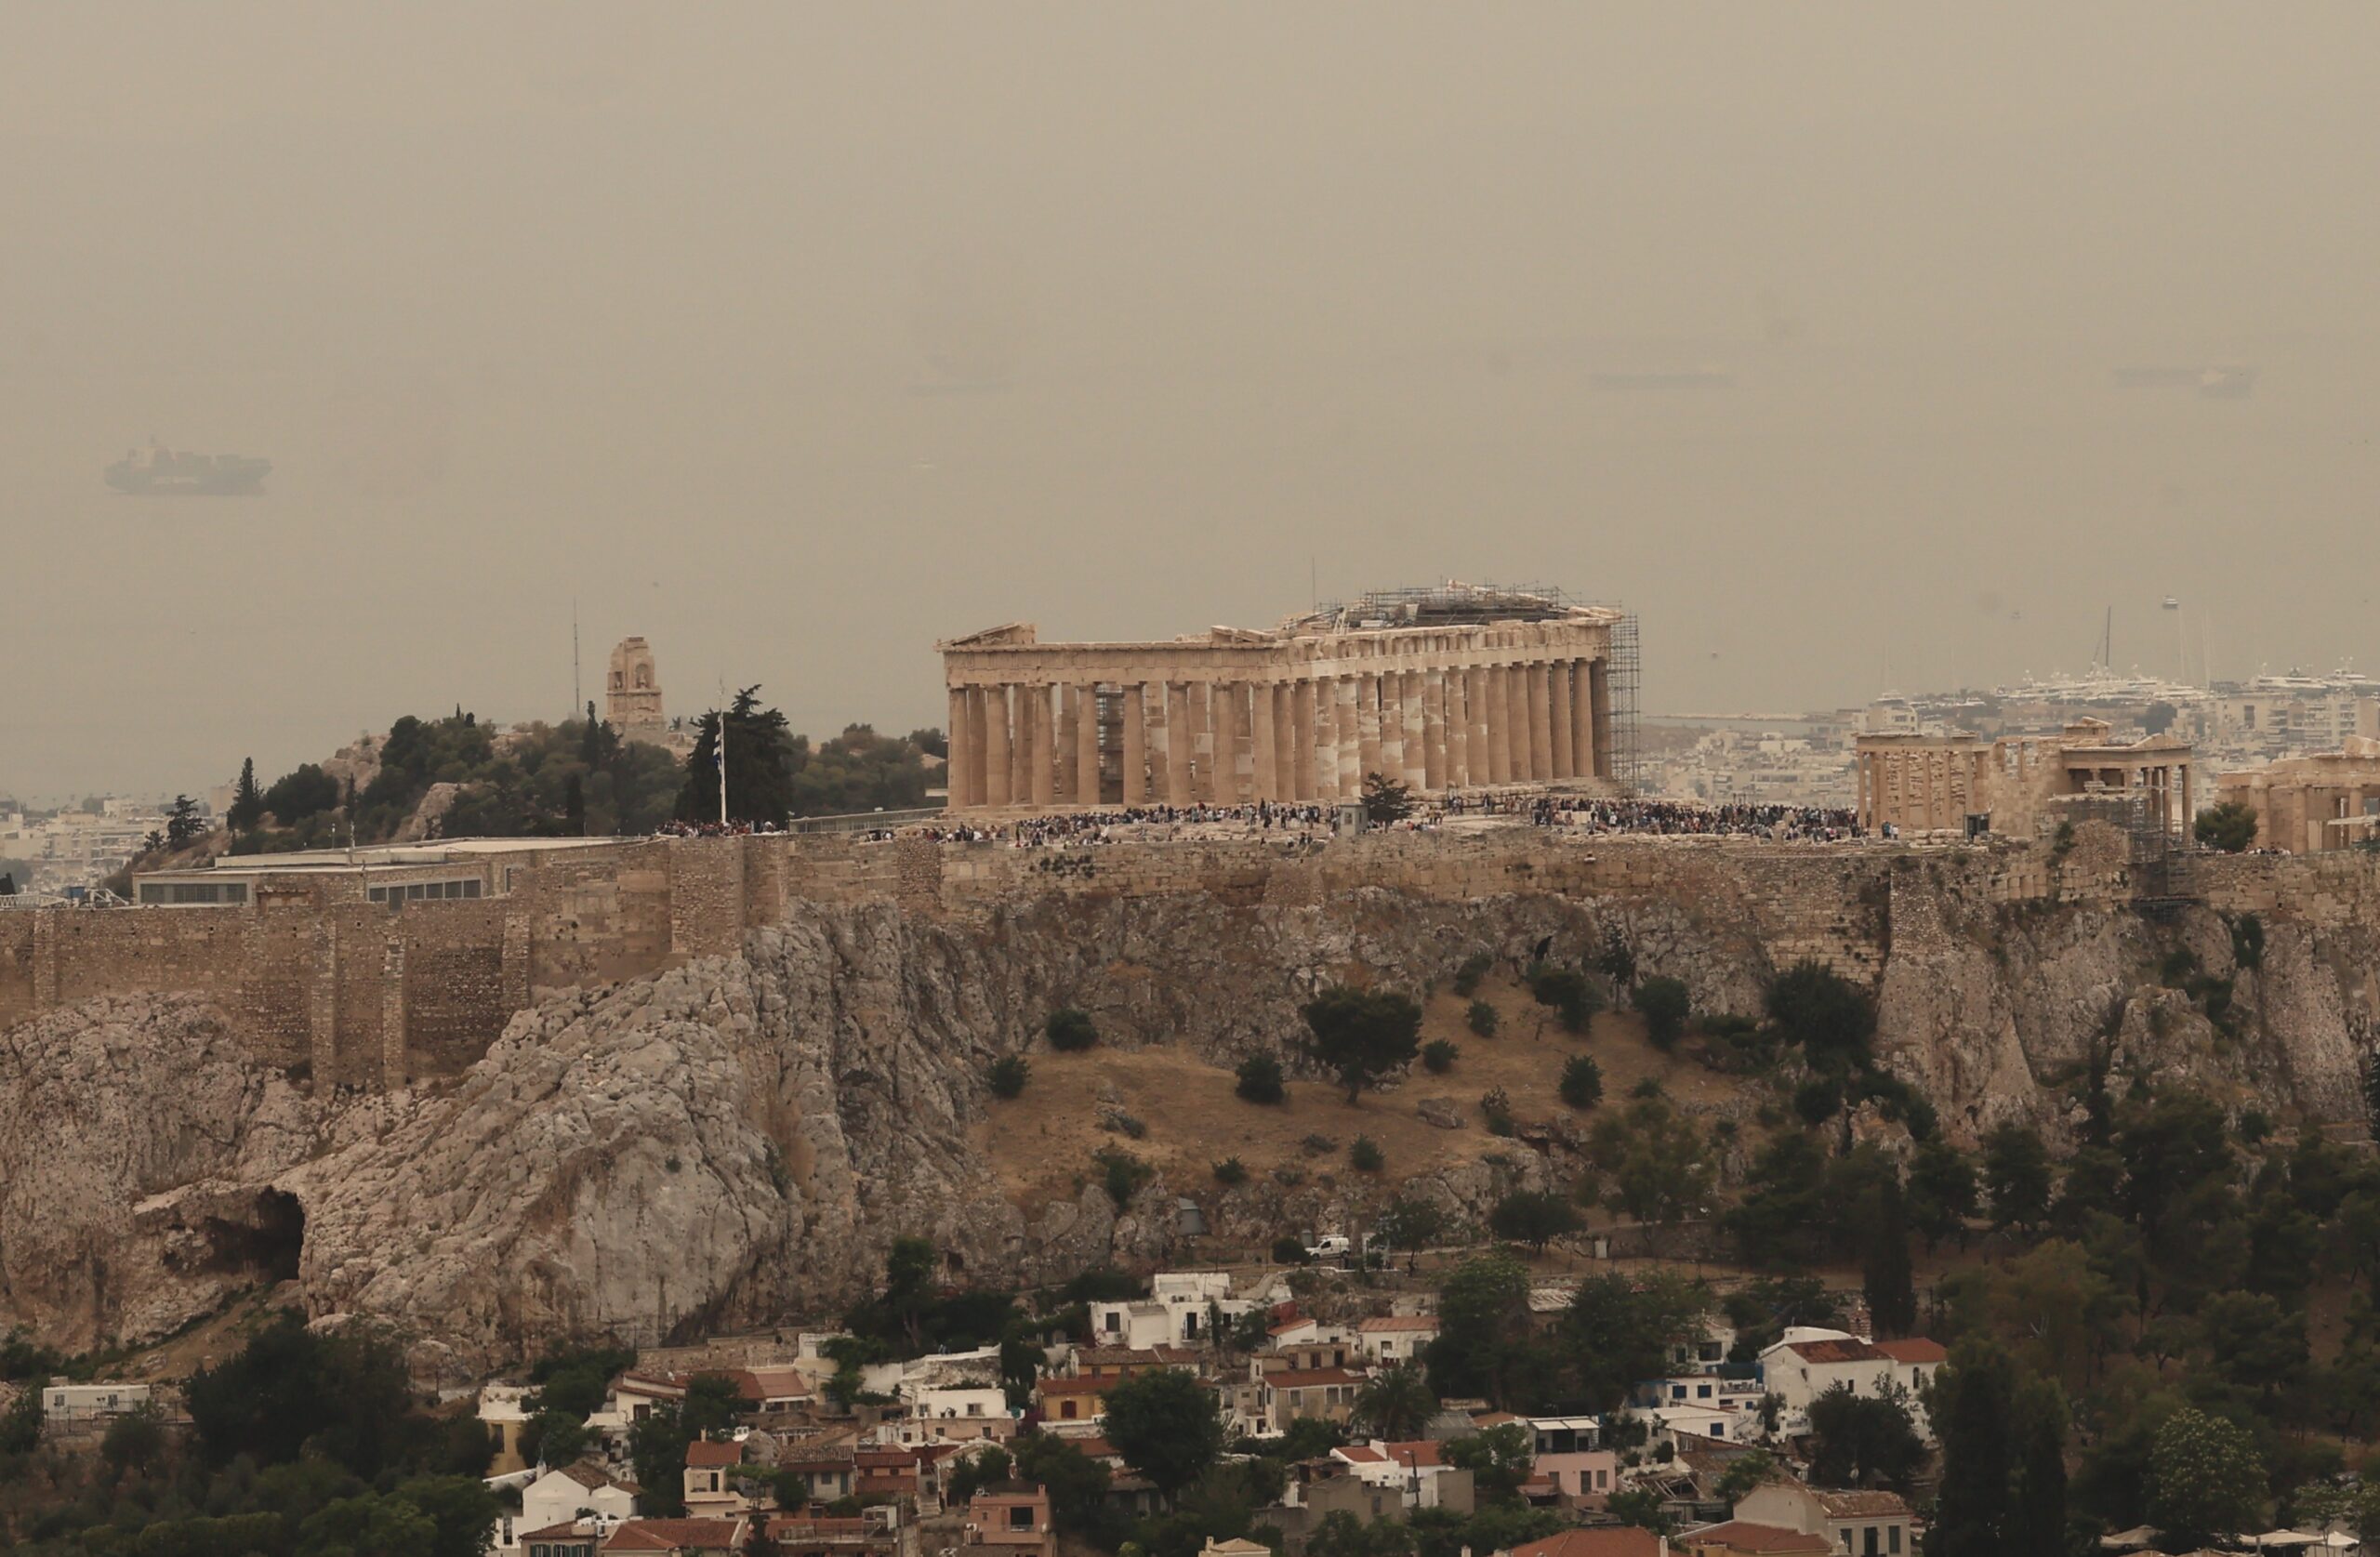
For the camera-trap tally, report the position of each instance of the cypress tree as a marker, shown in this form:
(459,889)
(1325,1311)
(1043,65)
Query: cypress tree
(247,801)
(1890,1283)
(1972,1400)
(2037,1501)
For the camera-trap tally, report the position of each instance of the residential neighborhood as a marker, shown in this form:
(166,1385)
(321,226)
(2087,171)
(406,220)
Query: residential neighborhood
(1315,1400)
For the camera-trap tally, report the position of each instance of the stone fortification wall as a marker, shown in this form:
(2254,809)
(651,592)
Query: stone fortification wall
(364,997)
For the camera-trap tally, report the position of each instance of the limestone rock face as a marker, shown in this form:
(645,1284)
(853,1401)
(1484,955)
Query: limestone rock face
(736,1141)
(110,1114)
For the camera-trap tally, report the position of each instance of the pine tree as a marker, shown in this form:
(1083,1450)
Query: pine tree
(760,765)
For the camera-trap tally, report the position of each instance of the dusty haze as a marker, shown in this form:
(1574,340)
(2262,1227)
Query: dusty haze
(795,337)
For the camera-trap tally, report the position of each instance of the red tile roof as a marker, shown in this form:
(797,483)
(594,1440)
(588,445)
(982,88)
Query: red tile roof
(1917,1349)
(1306,1378)
(1835,1352)
(562,1532)
(1768,1540)
(1074,1386)
(671,1534)
(1400,1322)
(1861,1505)
(1418,1451)
(703,1454)
(1624,1542)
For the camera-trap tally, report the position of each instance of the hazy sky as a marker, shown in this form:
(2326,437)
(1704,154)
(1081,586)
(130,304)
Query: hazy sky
(796,337)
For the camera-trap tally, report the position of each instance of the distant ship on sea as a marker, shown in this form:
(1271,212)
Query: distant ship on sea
(165,473)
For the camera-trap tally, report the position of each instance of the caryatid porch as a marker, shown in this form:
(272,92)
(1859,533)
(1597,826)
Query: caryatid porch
(1239,715)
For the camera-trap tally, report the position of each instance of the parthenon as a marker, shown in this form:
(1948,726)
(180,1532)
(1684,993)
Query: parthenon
(1452,688)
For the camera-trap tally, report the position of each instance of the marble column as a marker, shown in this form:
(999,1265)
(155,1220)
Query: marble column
(1434,730)
(1134,745)
(1367,729)
(1182,744)
(1391,726)
(1322,724)
(1417,732)
(1086,745)
(1582,720)
(1303,737)
(1044,789)
(1537,676)
(1285,742)
(1223,701)
(1457,729)
(1558,704)
(997,769)
(1265,762)
(1500,738)
(1480,759)
(954,766)
(1351,740)
(1599,677)
(1069,748)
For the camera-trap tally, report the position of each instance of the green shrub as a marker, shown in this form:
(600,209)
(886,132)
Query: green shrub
(2248,942)
(1647,1088)
(2230,826)
(1288,1251)
(1008,1075)
(1122,1174)
(1365,1156)
(1231,1171)
(1817,1099)
(1260,1079)
(1467,977)
(1069,1030)
(1581,1084)
(1438,1056)
(1663,1004)
(1481,1018)
(1574,999)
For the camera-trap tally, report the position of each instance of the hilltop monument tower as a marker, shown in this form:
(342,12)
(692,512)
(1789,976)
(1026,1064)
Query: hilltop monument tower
(633,691)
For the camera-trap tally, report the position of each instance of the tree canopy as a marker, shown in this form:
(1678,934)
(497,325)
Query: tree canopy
(1362,1035)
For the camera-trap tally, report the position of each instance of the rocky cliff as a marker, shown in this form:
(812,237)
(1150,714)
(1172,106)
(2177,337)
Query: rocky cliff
(735,1142)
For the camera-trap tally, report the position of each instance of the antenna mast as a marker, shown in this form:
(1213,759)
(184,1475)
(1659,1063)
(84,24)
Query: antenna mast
(575,705)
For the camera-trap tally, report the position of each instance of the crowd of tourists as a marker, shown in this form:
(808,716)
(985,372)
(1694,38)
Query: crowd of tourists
(714,829)
(1067,829)
(1687,819)
(1306,822)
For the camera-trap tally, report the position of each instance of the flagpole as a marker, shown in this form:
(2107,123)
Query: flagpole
(723,767)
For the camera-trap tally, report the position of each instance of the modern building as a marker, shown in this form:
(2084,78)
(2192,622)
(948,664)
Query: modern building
(1861,1523)
(1008,1519)
(1447,688)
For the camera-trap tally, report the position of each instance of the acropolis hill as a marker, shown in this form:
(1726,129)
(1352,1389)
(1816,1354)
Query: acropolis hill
(660,1085)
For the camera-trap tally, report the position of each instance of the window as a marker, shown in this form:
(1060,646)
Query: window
(1020,1517)
(1892,1539)
(1874,1547)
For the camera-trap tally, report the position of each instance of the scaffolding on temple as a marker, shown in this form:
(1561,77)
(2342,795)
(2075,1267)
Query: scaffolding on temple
(1624,670)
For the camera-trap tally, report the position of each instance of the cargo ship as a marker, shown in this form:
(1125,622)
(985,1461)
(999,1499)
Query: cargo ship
(165,473)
